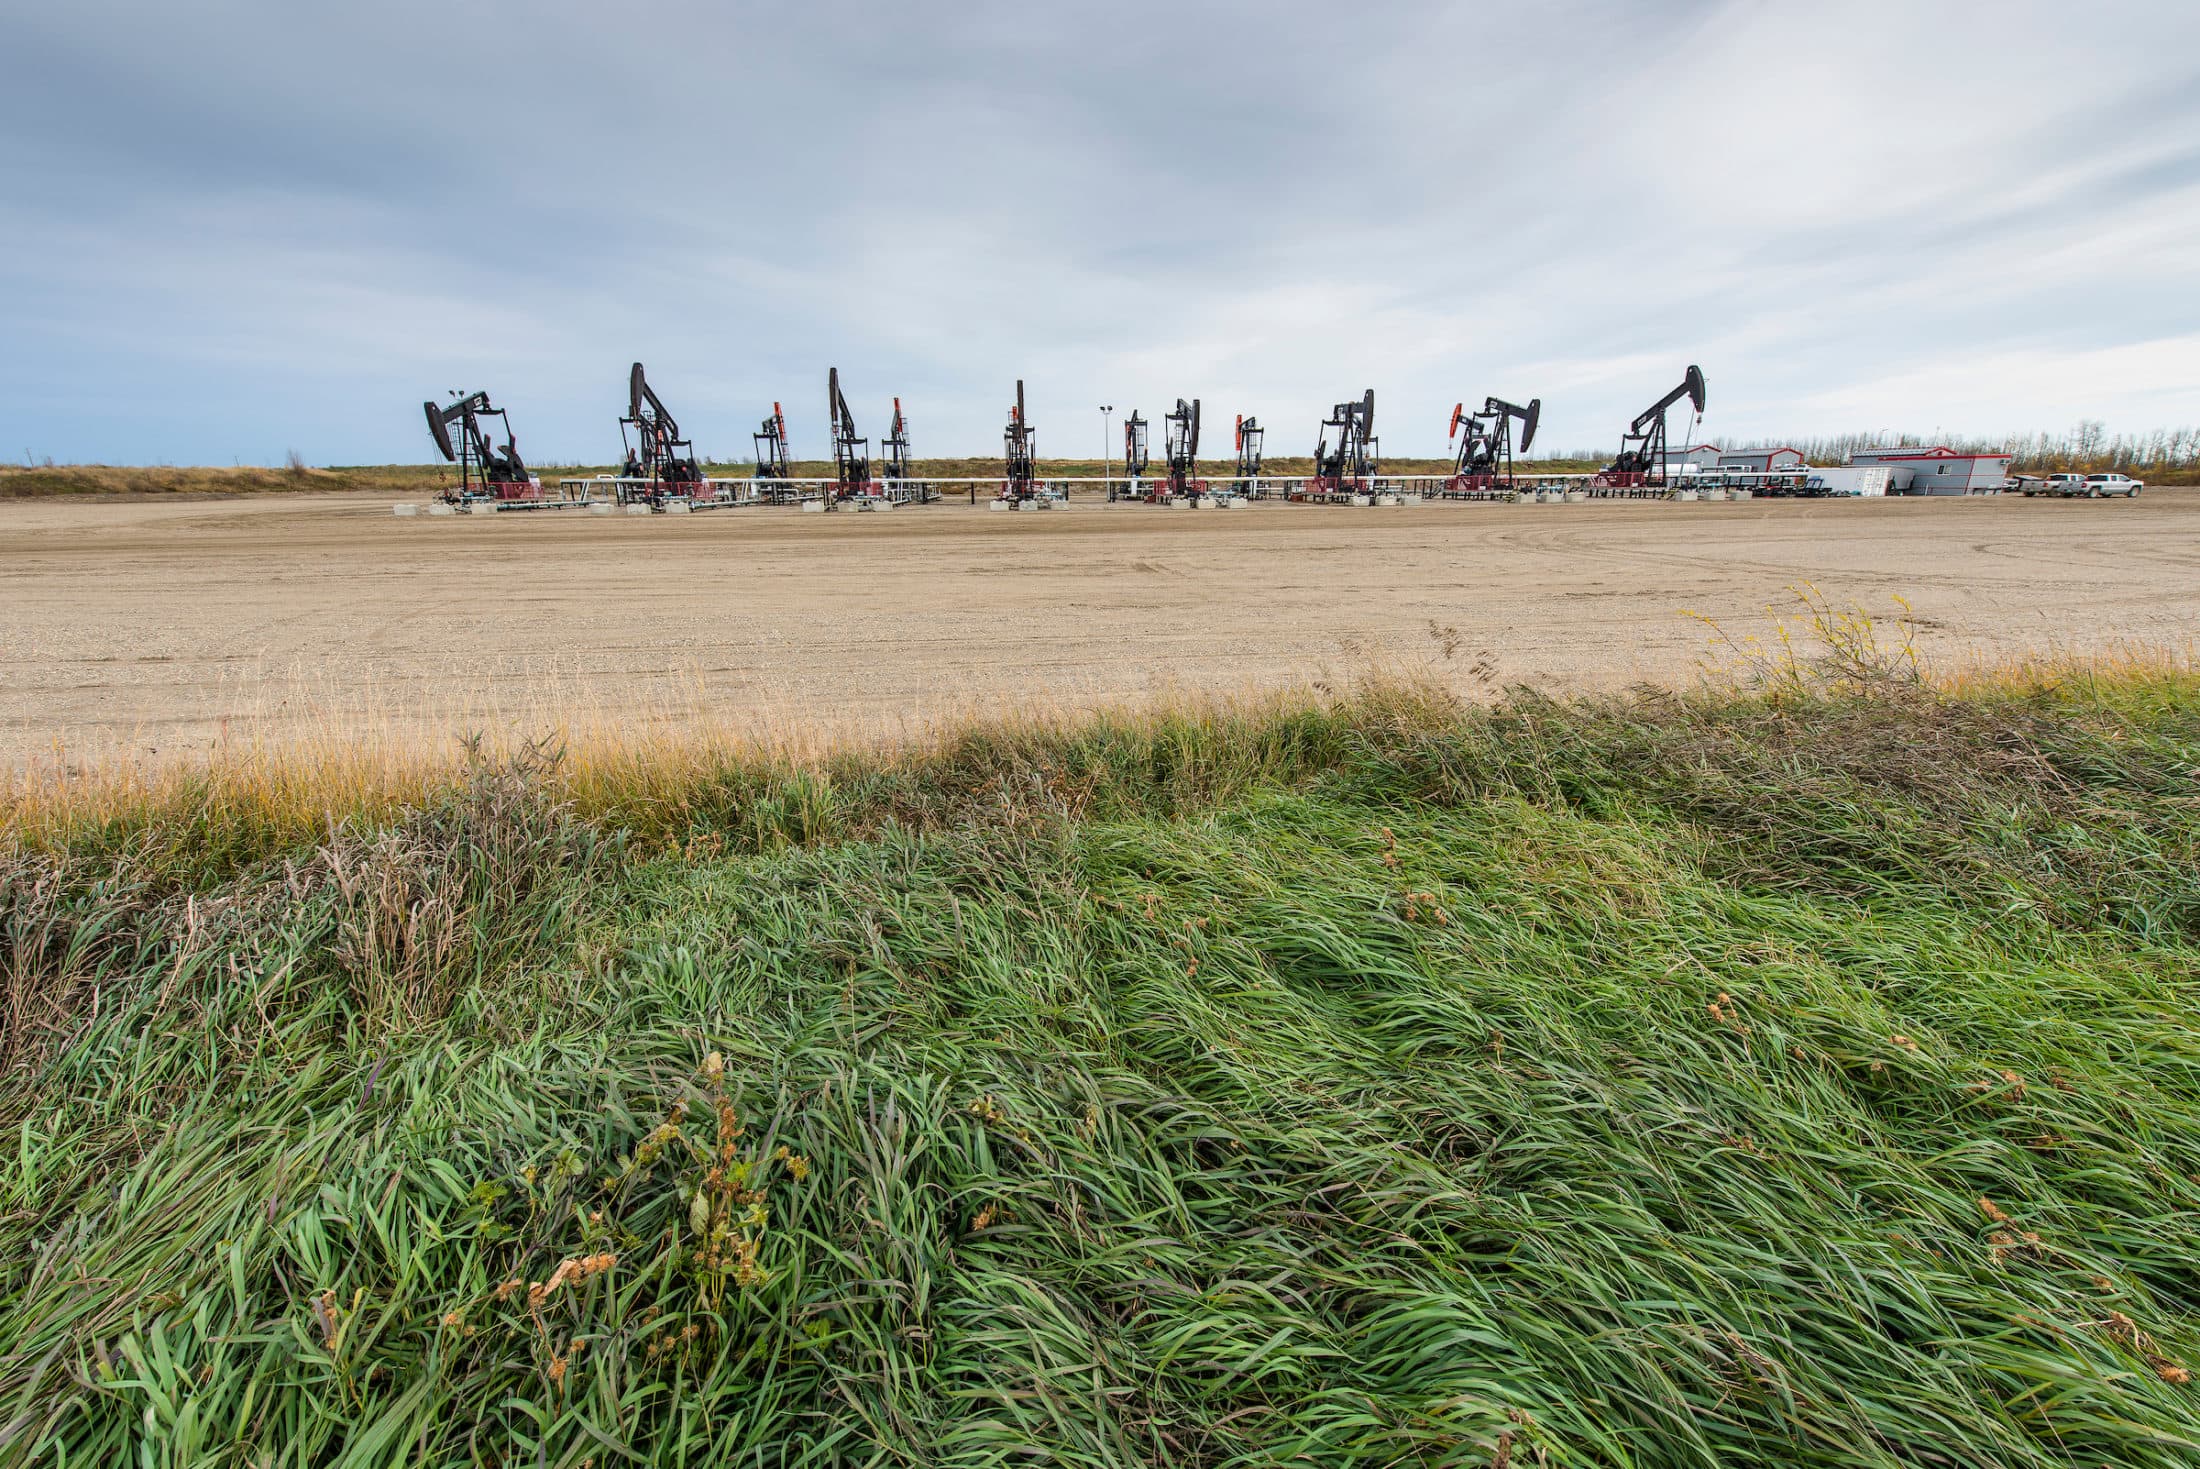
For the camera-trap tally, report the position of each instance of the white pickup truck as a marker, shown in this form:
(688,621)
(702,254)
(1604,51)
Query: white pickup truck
(2101,486)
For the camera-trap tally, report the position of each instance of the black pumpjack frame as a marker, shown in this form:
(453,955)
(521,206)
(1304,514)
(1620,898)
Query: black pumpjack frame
(1020,473)
(1642,458)
(1180,442)
(484,470)
(1246,485)
(1347,465)
(660,463)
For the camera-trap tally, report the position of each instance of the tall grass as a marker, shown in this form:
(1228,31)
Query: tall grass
(1799,1074)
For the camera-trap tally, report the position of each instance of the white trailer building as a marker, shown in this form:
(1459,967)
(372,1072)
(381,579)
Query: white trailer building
(1937,471)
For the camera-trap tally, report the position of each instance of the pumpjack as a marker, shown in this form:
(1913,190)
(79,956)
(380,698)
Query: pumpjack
(660,464)
(1486,449)
(1641,459)
(1020,483)
(1180,442)
(485,472)
(898,472)
(773,472)
(851,455)
(1134,455)
(1347,465)
(1247,483)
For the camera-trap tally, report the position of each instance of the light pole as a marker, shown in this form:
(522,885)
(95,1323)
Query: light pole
(1107,441)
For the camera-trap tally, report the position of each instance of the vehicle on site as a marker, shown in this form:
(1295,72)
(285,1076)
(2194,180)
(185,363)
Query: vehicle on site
(1642,461)
(2064,484)
(486,473)
(2106,486)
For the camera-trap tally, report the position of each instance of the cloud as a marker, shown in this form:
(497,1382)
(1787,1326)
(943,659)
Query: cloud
(240,227)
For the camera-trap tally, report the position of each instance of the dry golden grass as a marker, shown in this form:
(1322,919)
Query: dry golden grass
(355,757)
(363,757)
(25,482)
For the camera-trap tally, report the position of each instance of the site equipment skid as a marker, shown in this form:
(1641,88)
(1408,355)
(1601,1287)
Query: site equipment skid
(489,477)
(1246,485)
(660,468)
(1484,466)
(1641,463)
(1345,454)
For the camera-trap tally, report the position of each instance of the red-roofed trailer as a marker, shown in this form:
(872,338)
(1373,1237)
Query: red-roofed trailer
(1937,471)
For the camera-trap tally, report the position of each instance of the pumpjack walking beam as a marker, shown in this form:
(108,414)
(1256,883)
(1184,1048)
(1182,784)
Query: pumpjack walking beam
(661,463)
(1642,456)
(484,470)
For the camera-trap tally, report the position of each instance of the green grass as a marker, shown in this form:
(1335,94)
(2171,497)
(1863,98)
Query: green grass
(1807,1077)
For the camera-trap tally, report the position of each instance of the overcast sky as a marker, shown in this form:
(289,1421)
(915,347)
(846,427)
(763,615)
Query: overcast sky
(236,228)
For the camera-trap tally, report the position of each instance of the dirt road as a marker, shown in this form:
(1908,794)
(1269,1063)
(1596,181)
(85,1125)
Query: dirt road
(147,630)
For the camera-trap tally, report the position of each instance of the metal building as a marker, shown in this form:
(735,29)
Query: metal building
(1767,460)
(1938,470)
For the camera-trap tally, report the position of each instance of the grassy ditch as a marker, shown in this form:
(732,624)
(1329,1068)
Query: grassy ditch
(1799,1076)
